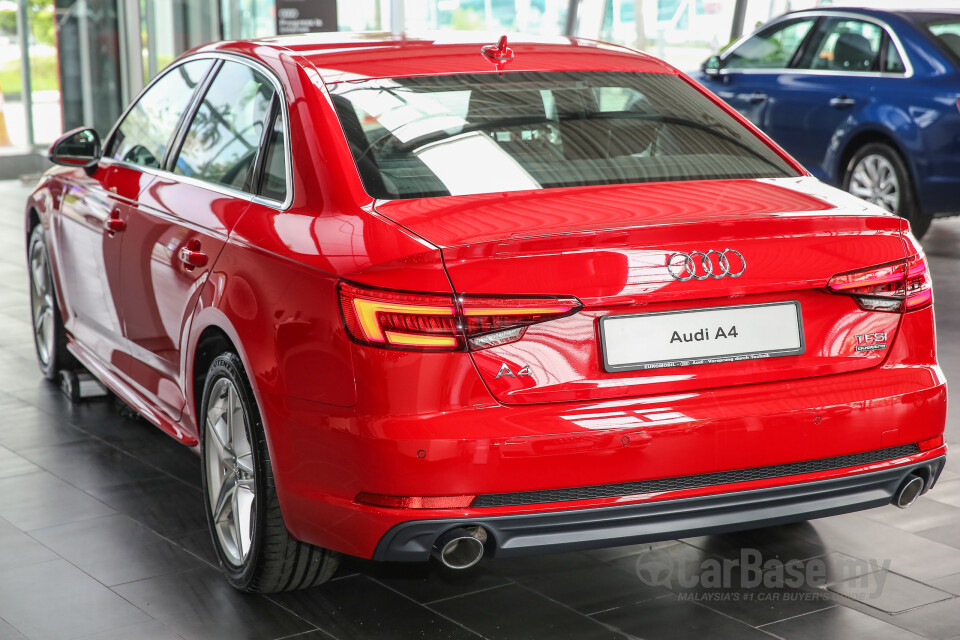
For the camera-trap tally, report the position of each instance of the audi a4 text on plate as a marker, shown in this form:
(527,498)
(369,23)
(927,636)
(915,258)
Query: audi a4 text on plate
(411,297)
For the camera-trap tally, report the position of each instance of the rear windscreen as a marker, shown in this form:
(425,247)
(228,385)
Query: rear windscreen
(946,31)
(486,133)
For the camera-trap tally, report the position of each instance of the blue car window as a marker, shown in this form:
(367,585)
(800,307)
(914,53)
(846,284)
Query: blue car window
(845,45)
(894,63)
(771,48)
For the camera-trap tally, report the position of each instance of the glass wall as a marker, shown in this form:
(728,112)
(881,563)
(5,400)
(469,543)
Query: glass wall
(89,62)
(244,19)
(28,29)
(86,59)
(543,17)
(171,27)
(682,32)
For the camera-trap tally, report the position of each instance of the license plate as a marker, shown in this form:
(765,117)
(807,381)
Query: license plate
(701,336)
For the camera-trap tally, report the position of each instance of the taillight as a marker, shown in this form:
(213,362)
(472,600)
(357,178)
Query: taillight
(895,286)
(437,322)
(919,283)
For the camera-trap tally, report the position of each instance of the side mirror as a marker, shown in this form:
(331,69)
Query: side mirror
(712,66)
(77,148)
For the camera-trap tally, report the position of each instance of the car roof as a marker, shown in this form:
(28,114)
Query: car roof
(913,15)
(343,56)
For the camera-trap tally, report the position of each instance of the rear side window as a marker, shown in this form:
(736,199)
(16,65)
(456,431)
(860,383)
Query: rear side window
(845,45)
(274,182)
(486,133)
(144,134)
(224,136)
(893,62)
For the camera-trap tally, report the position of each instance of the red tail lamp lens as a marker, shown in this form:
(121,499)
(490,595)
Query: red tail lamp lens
(919,283)
(437,322)
(895,286)
(492,321)
(416,502)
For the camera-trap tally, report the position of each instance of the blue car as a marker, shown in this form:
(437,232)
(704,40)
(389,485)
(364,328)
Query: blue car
(867,100)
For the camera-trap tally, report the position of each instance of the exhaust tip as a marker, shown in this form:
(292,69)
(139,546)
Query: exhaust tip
(909,491)
(460,548)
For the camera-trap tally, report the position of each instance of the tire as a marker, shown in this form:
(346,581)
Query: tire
(49,336)
(238,479)
(876,173)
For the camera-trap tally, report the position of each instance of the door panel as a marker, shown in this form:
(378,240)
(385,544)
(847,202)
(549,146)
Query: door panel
(750,94)
(752,73)
(89,256)
(160,287)
(810,109)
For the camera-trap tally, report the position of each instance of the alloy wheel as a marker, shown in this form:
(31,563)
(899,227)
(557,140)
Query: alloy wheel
(875,181)
(41,301)
(231,479)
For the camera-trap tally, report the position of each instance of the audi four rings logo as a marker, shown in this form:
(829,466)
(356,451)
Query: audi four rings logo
(699,265)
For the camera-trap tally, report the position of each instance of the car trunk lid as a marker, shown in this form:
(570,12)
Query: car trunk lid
(611,247)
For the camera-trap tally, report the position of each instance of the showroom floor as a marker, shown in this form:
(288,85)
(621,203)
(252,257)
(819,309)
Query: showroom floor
(102,536)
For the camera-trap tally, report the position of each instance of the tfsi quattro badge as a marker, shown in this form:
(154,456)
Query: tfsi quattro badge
(871,341)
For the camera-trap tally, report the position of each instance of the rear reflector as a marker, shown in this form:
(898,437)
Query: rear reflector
(436,322)
(416,502)
(895,286)
(932,443)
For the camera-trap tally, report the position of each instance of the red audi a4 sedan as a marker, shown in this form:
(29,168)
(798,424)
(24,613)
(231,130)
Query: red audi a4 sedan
(411,297)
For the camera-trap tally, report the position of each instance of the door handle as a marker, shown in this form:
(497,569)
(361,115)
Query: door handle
(114,224)
(841,102)
(757,97)
(191,256)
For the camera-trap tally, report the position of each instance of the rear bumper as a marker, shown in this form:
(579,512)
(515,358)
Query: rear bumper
(557,531)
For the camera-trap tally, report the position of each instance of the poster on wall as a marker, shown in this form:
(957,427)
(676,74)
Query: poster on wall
(306,16)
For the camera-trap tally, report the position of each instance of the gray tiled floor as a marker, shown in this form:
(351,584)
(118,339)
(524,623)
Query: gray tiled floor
(102,536)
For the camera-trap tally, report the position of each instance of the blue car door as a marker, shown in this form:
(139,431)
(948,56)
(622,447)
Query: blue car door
(749,76)
(834,80)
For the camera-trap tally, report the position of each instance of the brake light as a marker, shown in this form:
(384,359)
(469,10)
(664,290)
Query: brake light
(436,322)
(895,286)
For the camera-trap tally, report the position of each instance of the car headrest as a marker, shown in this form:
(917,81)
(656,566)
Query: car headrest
(952,40)
(853,52)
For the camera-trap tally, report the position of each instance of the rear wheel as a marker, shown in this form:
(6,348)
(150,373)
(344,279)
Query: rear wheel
(256,552)
(876,173)
(49,336)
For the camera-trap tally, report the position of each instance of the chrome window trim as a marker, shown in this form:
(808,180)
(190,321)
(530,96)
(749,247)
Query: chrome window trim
(225,190)
(849,15)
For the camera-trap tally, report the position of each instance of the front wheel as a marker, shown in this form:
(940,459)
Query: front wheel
(876,173)
(256,552)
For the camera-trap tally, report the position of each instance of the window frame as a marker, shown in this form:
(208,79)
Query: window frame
(180,132)
(820,16)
